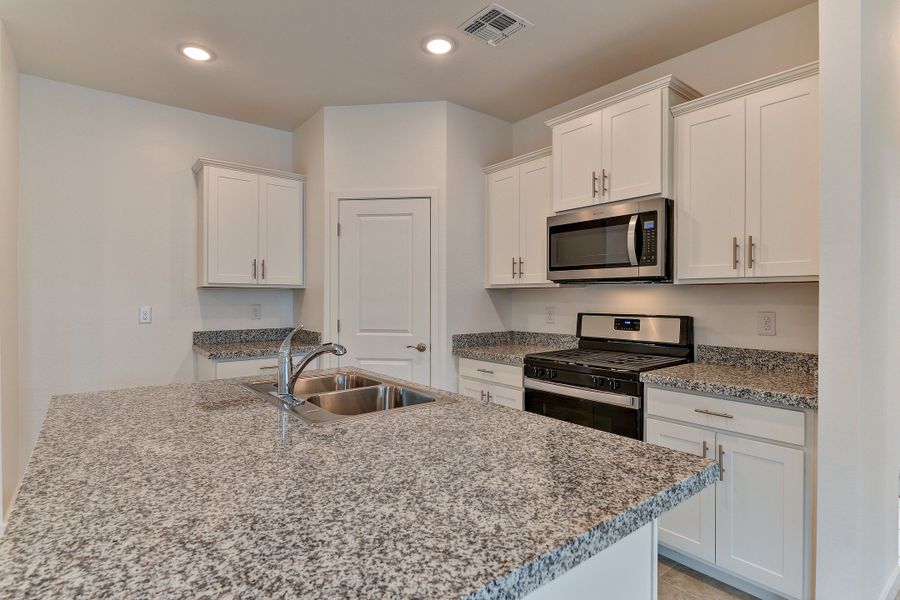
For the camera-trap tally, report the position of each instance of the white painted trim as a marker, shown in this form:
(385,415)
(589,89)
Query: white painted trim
(224,164)
(669,81)
(439,340)
(892,588)
(517,160)
(764,83)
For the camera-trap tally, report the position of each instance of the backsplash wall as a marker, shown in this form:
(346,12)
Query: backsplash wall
(724,314)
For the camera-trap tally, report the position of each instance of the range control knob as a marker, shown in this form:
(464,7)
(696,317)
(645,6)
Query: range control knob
(599,381)
(540,371)
(551,374)
(615,384)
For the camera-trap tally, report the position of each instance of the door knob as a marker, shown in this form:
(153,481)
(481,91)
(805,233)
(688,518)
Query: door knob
(421,347)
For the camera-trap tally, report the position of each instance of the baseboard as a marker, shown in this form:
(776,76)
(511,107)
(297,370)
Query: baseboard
(719,575)
(892,587)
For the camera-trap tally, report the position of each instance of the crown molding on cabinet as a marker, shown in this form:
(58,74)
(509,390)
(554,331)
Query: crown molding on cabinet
(213,162)
(669,81)
(517,160)
(764,83)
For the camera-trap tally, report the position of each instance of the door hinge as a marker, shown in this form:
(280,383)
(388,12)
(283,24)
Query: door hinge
(338,325)
(339,229)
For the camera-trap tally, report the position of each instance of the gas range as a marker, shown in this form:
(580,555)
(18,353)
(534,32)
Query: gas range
(597,384)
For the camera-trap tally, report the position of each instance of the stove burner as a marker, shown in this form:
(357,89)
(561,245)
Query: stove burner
(611,360)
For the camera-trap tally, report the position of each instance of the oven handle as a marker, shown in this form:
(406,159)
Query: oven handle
(632,402)
(632,236)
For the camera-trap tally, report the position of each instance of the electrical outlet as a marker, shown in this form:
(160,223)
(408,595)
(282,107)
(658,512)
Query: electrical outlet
(145,315)
(256,312)
(550,314)
(765,323)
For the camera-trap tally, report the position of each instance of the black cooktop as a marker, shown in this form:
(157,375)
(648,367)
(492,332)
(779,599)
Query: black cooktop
(606,359)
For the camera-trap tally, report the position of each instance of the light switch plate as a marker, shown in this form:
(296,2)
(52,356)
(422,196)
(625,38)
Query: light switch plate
(256,312)
(550,314)
(145,315)
(765,323)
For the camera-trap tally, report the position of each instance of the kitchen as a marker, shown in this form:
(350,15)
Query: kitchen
(116,171)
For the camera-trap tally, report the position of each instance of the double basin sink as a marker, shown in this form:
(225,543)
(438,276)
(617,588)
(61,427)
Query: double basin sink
(341,396)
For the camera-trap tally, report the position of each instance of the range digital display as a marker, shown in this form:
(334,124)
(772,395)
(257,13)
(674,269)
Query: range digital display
(649,224)
(627,324)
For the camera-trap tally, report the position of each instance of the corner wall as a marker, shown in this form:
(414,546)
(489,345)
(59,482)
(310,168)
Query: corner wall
(309,159)
(9,235)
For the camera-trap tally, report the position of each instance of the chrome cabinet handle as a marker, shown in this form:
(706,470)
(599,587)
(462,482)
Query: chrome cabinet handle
(254,268)
(514,267)
(421,347)
(750,247)
(721,463)
(482,394)
(713,413)
(604,189)
(489,372)
(734,253)
(268,368)
(521,262)
(705,448)
(593,184)
(263,268)
(489,397)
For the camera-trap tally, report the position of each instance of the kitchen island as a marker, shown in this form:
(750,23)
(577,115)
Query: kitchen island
(188,490)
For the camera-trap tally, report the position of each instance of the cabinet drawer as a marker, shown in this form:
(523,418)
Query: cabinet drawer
(749,419)
(510,375)
(262,367)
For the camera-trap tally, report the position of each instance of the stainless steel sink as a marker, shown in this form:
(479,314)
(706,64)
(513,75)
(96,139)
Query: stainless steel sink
(342,396)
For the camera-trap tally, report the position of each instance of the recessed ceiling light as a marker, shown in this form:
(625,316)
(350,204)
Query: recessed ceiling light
(196,52)
(438,44)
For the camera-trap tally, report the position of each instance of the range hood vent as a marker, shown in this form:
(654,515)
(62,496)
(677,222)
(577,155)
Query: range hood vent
(494,25)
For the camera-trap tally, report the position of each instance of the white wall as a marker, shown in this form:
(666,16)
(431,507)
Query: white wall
(107,224)
(859,413)
(772,46)
(309,159)
(9,325)
(724,314)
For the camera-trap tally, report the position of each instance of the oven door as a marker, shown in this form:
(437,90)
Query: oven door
(615,413)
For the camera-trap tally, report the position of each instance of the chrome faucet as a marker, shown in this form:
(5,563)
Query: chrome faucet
(287,374)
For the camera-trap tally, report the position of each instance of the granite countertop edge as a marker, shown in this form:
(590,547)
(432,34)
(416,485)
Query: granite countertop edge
(494,354)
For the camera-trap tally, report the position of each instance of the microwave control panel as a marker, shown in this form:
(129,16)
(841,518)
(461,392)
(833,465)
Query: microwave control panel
(649,226)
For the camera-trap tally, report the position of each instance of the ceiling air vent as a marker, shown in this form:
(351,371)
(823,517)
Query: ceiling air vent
(494,24)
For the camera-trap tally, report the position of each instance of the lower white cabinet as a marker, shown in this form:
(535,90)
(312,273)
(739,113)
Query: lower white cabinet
(751,523)
(479,380)
(207,369)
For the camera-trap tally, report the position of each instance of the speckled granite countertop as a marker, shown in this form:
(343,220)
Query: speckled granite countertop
(231,344)
(185,491)
(509,347)
(787,379)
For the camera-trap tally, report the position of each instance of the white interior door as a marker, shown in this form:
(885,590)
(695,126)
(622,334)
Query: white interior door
(384,295)
(632,147)
(233,214)
(783,179)
(691,526)
(280,231)
(535,205)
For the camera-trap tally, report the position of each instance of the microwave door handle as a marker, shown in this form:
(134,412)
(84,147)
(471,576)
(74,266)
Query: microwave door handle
(632,238)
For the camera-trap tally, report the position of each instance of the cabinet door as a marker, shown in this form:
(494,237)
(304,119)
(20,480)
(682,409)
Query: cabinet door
(503,227)
(783,179)
(691,526)
(535,205)
(280,231)
(759,513)
(632,147)
(233,226)
(577,149)
(504,396)
(709,191)
(472,388)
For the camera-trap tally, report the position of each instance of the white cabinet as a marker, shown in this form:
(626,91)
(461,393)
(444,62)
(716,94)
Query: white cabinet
(492,382)
(518,204)
(250,226)
(617,148)
(207,368)
(746,182)
(751,524)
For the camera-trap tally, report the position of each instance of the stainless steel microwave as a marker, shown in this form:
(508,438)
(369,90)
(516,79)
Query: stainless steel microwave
(621,241)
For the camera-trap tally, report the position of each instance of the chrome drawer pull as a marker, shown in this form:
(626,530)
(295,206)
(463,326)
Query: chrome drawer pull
(705,448)
(721,463)
(713,413)
(267,368)
(485,371)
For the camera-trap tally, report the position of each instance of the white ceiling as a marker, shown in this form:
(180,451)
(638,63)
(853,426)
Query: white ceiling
(281,60)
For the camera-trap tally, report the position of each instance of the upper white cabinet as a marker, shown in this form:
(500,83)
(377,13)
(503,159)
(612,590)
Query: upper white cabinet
(617,148)
(518,204)
(250,226)
(747,183)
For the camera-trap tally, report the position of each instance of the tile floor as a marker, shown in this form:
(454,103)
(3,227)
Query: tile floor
(677,582)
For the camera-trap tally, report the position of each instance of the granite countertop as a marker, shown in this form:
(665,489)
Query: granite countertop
(786,379)
(509,347)
(185,490)
(231,344)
